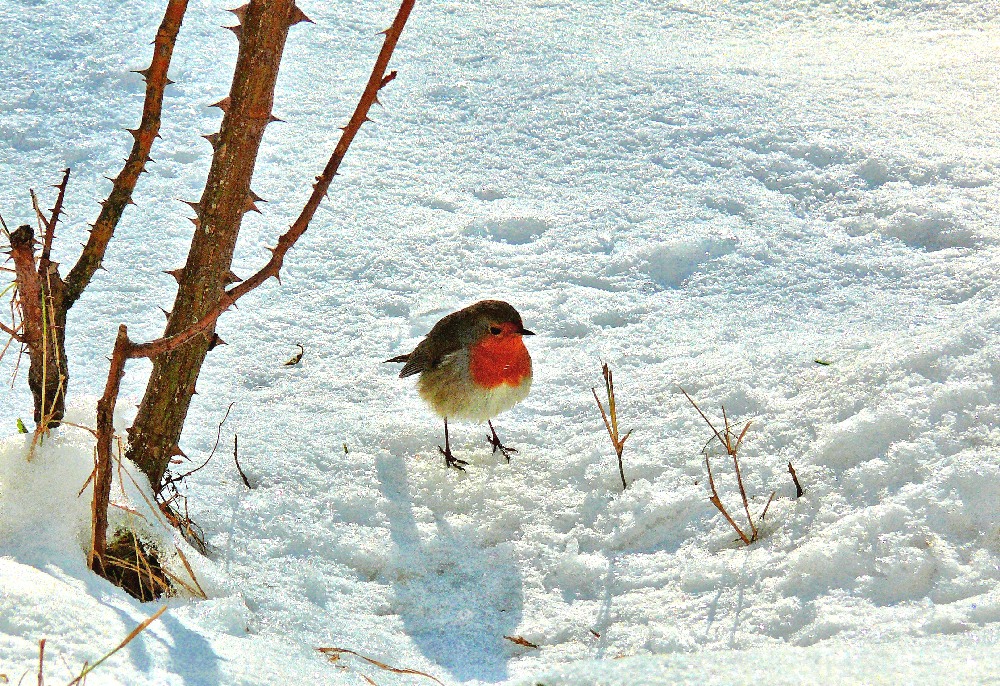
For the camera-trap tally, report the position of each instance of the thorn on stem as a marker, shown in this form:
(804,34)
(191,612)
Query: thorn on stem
(240,12)
(216,341)
(298,16)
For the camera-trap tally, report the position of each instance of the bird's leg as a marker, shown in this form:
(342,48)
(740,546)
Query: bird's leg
(449,459)
(497,445)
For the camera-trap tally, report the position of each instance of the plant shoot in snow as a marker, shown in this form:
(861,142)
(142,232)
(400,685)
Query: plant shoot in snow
(731,442)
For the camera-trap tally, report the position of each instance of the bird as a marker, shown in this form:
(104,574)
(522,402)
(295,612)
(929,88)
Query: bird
(473,365)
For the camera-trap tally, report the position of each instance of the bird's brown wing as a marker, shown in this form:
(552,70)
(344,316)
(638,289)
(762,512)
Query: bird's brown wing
(446,337)
(427,355)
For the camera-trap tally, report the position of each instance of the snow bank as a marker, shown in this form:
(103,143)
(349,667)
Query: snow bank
(47,591)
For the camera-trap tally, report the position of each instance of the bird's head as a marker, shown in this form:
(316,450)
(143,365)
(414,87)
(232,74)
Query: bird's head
(496,321)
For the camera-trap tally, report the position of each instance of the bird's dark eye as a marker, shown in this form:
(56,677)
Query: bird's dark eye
(495,330)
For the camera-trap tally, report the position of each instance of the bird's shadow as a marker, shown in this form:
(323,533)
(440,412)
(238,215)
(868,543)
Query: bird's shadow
(456,599)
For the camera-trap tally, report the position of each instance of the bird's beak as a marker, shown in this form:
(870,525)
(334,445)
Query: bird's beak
(525,332)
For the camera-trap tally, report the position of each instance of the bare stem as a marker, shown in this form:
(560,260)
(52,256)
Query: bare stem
(50,224)
(795,480)
(105,436)
(715,500)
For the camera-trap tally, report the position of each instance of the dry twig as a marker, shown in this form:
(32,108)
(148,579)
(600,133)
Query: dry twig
(795,479)
(148,130)
(521,641)
(236,458)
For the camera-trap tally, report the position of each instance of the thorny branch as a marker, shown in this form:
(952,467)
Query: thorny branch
(50,225)
(125,349)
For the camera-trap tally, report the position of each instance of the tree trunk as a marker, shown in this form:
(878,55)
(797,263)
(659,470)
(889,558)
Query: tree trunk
(262,32)
(43,317)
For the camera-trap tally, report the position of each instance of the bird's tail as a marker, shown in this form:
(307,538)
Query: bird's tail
(399,358)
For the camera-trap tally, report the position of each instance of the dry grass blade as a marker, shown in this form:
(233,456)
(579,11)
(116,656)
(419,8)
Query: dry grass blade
(715,500)
(128,639)
(707,420)
(611,420)
(333,654)
(187,566)
(734,448)
(768,506)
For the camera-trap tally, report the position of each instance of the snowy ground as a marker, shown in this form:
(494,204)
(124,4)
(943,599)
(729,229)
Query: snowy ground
(707,195)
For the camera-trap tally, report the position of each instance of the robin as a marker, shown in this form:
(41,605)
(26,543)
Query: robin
(472,365)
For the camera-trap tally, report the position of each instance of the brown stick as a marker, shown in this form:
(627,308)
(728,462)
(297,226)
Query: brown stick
(11,332)
(29,287)
(236,458)
(41,662)
(795,479)
(105,436)
(45,376)
(123,185)
(768,506)
(227,196)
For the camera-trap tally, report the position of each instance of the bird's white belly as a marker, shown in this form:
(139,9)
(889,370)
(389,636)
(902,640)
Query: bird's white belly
(486,404)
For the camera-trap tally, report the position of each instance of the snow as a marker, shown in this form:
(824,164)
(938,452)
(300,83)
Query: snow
(706,195)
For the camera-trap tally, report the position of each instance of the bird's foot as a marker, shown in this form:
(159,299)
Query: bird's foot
(452,461)
(497,445)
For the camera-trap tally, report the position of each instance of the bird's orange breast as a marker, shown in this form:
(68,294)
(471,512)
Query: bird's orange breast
(497,361)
